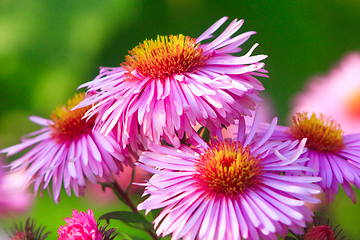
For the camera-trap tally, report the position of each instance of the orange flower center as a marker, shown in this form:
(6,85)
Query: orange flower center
(322,232)
(227,169)
(353,106)
(322,134)
(165,56)
(69,125)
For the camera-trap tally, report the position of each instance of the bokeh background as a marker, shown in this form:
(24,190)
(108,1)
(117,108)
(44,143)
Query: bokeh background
(48,48)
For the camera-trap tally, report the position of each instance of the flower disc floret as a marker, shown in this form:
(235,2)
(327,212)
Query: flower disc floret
(322,134)
(165,57)
(68,124)
(227,169)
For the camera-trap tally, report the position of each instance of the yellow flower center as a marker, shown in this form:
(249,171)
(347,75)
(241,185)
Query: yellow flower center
(227,169)
(322,134)
(69,125)
(165,56)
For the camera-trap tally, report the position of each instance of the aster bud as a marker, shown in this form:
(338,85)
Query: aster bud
(319,229)
(28,232)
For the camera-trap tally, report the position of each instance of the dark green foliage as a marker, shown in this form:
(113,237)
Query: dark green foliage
(129,218)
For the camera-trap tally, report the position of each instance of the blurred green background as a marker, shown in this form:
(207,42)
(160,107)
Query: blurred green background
(48,48)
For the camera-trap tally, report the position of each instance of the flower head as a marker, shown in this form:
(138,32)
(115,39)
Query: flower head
(333,155)
(336,94)
(229,190)
(67,149)
(82,226)
(168,85)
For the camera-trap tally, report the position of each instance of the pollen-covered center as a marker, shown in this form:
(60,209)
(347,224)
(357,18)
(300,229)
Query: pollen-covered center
(322,134)
(227,169)
(165,56)
(69,125)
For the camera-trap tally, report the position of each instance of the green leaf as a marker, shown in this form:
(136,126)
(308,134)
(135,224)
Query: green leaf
(223,126)
(200,130)
(206,135)
(135,237)
(132,237)
(126,217)
(156,212)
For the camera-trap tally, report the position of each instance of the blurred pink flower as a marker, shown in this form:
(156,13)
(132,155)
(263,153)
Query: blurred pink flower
(336,94)
(14,197)
(81,226)
(169,84)
(229,190)
(67,149)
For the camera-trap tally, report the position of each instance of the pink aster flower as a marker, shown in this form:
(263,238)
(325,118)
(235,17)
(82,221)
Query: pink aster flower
(82,226)
(14,197)
(229,190)
(336,94)
(167,85)
(67,150)
(334,156)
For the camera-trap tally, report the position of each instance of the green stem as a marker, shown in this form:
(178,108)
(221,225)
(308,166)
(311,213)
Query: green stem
(124,196)
(132,180)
